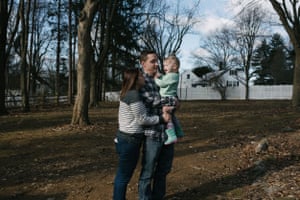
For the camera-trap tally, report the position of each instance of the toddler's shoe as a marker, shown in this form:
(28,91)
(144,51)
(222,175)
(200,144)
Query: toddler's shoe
(172,138)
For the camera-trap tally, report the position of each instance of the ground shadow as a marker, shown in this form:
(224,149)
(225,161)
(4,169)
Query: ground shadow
(245,177)
(22,196)
(54,158)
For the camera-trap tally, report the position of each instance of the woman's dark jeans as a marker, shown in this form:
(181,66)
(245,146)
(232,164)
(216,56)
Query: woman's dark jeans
(128,149)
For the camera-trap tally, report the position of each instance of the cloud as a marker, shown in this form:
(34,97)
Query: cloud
(215,15)
(211,23)
(200,52)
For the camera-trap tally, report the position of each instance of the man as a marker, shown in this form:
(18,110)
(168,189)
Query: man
(157,157)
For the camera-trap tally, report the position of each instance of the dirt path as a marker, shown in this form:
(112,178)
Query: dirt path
(42,157)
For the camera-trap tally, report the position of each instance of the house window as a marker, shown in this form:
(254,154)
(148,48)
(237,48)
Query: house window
(188,76)
(232,83)
(232,72)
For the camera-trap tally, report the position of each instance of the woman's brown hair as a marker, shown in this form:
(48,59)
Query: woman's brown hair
(130,77)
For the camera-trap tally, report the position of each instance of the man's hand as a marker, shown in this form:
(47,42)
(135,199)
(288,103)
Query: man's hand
(157,75)
(168,109)
(166,116)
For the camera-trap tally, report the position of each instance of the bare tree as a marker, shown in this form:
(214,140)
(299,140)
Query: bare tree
(289,15)
(58,52)
(98,69)
(249,28)
(31,41)
(220,48)
(70,85)
(38,45)
(3,41)
(164,31)
(218,83)
(80,110)
(9,18)
(24,17)
(221,57)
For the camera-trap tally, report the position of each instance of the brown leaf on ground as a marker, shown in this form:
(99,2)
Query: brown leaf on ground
(43,157)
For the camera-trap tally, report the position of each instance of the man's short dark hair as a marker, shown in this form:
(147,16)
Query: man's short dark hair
(145,53)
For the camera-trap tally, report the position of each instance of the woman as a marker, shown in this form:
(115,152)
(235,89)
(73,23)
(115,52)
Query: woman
(132,117)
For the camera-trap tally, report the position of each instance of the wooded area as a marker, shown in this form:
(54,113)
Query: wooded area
(46,42)
(68,47)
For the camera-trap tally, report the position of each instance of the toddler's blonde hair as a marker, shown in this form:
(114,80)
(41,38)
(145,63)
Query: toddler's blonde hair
(173,58)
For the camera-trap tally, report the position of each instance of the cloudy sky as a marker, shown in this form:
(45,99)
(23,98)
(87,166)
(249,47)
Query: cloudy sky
(213,14)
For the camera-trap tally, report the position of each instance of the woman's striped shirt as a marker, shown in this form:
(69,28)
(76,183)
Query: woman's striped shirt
(133,114)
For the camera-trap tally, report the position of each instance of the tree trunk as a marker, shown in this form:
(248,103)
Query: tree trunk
(31,86)
(93,97)
(24,16)
(57,77)
(70,85)
(80,110)
(296,83)
(73,67)
(3,42)
(104,75)
(247,84)
(105,42)
(292,27)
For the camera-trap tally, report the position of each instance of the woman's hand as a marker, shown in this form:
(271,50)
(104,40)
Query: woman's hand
(168,109)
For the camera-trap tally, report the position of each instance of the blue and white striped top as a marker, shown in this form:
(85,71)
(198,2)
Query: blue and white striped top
(133,114)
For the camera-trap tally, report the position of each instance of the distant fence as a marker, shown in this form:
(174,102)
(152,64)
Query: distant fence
(236,93)
(280,92)
(16,101)
(112,96)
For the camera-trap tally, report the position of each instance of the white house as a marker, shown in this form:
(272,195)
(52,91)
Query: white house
(187,78)
(230,78)
(192,87)
(234,78)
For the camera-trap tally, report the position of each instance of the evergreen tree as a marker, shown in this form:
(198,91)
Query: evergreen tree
(125,33)
(260,62)
(272,62)
(278,60)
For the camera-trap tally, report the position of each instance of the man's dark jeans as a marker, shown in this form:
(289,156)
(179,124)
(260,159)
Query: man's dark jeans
(156,164)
